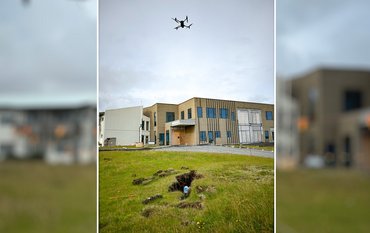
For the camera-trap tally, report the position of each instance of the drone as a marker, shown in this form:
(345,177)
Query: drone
(182,23)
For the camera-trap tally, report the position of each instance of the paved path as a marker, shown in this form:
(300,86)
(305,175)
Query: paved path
(220,149)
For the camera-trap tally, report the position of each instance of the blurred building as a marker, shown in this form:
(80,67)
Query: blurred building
(57,135)
(123,126)
(334,113)
(287,146)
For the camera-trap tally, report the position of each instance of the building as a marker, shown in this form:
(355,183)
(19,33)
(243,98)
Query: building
(123,126)
(211,121)
(334,116)
(287,146)
(57,135)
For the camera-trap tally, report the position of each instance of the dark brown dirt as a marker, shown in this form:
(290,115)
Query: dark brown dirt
(152,198)
(195,205)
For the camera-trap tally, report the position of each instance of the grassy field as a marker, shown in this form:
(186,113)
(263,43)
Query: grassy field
(236,193)
(35,197)
(323,201)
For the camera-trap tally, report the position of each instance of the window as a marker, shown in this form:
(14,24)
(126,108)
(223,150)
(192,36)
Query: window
(182,115)
(189,113)
(170,116)
(210,136)
(267,135)
(211,113)
(268,115)
(224,113)
(202,136)
(233,116)
(352,100)
(217,134)
(229,134)
(155,119)
(147,125)
(199,112)
(142,125)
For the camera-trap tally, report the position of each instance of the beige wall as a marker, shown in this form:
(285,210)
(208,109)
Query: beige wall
(190,134)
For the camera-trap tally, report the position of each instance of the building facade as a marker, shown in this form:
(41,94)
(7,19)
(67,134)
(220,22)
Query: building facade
(333,115)
(124,126)
(211,121)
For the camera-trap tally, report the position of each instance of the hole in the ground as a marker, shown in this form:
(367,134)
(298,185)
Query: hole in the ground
(182,181)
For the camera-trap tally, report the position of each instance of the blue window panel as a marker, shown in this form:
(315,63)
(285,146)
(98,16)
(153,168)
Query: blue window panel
(189,113)
(170,116)
(233,116)
(182,115)
(199,112)
(268,115)
(218,134)
(229,134)
(211,113)
(224,113)
(267,135)
(202,136)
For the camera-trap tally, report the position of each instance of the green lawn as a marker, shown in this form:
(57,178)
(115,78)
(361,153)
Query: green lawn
(35,197)
(238,193)
(323,201)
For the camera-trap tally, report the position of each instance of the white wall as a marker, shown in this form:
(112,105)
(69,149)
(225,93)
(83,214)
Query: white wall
(123,124)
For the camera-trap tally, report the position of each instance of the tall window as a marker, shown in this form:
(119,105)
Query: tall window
(182,115)
(202,136)
(211,113)
(217,134)
(170,116)
(224,113)
(268,115)
(352,100)
(147,125)
(229,134)
(199,112)
(189,113)
(142,125)
(155,118)
(233,116)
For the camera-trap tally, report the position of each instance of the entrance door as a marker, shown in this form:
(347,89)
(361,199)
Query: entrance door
(167,137)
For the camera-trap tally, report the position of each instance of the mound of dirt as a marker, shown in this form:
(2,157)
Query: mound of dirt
(152,198)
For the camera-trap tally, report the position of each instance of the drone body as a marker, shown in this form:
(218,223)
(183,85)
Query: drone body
(182,23)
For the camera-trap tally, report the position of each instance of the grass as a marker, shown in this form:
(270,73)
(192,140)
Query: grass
(239,197)
(35,197)
(327,200)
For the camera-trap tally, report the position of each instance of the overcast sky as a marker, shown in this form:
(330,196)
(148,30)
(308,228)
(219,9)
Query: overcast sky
(48,52)
(316,33)
(227,53)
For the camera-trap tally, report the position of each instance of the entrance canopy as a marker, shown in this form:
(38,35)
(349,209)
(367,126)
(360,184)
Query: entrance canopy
(188,122)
